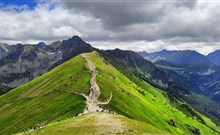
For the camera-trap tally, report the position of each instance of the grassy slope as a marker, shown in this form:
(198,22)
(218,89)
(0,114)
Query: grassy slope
(39,102)
(151,107)
(99,123)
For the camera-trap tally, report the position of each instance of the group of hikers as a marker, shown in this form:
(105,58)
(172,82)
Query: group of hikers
(34,128)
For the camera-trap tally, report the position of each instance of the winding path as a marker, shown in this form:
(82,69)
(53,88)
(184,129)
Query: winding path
(92,103)
(92,99)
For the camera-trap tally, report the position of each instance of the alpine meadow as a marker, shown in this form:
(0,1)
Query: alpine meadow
(103,67)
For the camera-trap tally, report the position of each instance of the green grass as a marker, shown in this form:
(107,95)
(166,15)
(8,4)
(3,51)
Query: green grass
(51,107)
(151,107)
(40,101)
(89,124)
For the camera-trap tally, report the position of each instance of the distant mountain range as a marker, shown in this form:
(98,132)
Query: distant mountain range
(184,75)
(182,57)
(200,73)
(98,93)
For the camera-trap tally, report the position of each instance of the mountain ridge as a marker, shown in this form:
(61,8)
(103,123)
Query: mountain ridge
(132,65)
(143,103)
(177,84)
(177,56)
(22,63)
(202,78)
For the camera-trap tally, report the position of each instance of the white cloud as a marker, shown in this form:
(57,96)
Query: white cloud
(132,45)
(154,46)
(136,25)
(65,31)
(43,24)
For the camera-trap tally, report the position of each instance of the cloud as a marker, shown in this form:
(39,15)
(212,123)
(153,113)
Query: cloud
(154,46)
(144,20)
(65,31)
(191,24)
(126,24)
(43,23)
(115,14)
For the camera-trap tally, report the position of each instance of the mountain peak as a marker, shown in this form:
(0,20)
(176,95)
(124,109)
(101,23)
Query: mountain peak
(74,46)
(76,38)
(164,50)
(143,53)
(41,45)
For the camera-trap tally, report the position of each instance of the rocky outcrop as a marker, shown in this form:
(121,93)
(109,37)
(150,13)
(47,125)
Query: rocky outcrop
(22,62)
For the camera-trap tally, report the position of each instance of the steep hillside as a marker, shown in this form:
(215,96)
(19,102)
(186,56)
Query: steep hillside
(138,63)
(202,79)
(22,63)
(141,102)
(178,80)
(42,101)
(198,73)
(88,83)
(165,80)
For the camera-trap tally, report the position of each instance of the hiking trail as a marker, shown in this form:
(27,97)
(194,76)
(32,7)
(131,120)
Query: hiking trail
(92,99)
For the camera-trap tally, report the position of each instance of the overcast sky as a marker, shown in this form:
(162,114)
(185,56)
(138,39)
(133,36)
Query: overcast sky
(148,25)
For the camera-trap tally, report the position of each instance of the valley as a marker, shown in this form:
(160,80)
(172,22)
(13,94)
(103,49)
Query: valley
(100,85)
(142,103)
(108,67)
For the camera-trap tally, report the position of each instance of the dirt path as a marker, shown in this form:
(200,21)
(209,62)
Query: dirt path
(112,125)
(94,90)
(92,99)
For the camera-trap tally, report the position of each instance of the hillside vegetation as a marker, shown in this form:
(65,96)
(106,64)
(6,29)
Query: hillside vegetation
(58,95)
(99,123)
(41,101)
(142,102)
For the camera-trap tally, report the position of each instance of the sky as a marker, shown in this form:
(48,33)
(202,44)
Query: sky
(139,25)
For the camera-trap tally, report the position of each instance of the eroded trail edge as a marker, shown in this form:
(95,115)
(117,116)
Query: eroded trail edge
(92,99)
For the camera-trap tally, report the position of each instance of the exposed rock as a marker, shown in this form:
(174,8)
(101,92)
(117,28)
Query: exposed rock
(22,63)
(171,122)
